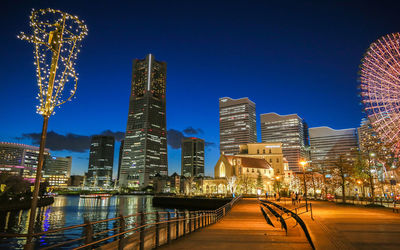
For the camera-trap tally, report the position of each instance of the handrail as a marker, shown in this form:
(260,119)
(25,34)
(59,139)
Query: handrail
(138,225)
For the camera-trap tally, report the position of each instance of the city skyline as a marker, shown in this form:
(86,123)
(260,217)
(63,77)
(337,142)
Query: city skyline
(322,83)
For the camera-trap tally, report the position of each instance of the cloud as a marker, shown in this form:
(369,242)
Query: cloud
(70,142)
(193,131)
(174,138)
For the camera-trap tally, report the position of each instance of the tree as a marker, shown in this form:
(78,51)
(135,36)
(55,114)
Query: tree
(260,184)
(232,183)
(246,183)
(343,170)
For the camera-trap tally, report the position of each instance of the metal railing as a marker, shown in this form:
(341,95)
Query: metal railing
(131,229)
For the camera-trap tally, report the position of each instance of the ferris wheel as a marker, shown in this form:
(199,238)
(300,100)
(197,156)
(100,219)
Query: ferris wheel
(380,89)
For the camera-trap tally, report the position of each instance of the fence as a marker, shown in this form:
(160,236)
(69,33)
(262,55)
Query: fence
(136,231)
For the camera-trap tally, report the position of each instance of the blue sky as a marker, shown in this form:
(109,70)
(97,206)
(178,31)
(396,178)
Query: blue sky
(288,57)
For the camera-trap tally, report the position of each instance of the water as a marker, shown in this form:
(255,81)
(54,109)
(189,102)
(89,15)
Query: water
(72,210)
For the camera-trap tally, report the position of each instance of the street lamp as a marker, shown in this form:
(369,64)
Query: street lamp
(278,183)
(56,38)
(303,164)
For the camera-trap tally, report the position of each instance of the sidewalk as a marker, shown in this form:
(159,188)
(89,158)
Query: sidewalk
(352,227)
(243,228)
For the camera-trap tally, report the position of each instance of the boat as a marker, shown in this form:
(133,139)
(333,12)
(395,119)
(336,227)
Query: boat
(96,196)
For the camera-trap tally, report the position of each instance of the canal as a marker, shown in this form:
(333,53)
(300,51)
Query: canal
(68,211)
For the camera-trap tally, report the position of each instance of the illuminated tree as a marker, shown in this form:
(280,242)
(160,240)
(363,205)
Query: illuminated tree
(380,89)
(56,38)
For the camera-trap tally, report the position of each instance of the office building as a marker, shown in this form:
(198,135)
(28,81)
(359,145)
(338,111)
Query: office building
(121,149)
(327,145)
(192,157)
(20,159)
(237,124)
(145,143)
(101,161)
(57,170)
(291,131)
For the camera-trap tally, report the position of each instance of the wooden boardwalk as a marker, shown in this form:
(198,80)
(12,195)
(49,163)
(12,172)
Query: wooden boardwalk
(243,228)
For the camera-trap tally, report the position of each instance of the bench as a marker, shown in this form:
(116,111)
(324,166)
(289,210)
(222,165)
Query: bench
(396,210)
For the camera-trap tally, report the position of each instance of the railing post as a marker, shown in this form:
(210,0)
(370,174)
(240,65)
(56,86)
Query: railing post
(223,214)
(142,221)
(168,227)
(190,221)
(184,223)
(177,224)
(88,232)
(157,229)
(122,223)
(194,221)
(203,219)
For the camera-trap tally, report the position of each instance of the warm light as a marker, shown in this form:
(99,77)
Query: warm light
(303,163)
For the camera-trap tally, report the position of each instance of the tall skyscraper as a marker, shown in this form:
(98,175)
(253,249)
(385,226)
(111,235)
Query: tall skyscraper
(366,136)
(101,161)
(328,144)
(145,144)
(192,157)
(237,124)
(291,131)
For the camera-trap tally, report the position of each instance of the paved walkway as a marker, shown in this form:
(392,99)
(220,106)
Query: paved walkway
(243,228)
(352,227)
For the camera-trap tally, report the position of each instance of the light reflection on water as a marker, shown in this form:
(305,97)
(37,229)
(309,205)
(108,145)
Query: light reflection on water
(72,210)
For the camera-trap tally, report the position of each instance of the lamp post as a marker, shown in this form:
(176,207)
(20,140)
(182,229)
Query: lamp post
(303,164)
(56,37)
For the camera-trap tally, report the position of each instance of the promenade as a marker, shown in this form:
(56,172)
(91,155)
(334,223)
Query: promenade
(243,228)
(335,227)
(339,226)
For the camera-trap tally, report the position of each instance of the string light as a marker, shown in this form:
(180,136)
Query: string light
(56,37)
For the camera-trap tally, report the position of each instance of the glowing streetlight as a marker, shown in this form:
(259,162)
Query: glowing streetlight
(56,37)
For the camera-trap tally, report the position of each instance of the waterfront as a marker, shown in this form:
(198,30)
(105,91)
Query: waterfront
(72,210)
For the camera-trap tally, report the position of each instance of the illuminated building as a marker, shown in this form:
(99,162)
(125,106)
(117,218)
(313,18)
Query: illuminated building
(19,159)
(57,170)
(244,170)
(121,147)
(291,131)
(237,124)
(101,161)
(145,145)
(192,157)
(328,144)
(366,135)
(271,152)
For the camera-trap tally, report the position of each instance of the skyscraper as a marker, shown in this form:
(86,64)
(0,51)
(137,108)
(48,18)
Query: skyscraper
(192,157)
(291,131)
(237,124)
(328,144)
(101,161)
(145,144)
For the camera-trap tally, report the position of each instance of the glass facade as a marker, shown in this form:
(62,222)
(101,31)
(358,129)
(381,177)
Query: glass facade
(327,145)
(237,124)
(101,160)
(192,157)
(145,145)
(291,131)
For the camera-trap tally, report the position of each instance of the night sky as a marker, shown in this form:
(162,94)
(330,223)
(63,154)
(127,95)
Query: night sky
(288,57)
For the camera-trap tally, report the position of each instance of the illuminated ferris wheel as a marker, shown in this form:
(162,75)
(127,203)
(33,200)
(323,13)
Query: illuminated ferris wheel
(380,88)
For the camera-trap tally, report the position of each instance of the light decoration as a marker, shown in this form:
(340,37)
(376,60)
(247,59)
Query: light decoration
(56,38)
(380,89)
